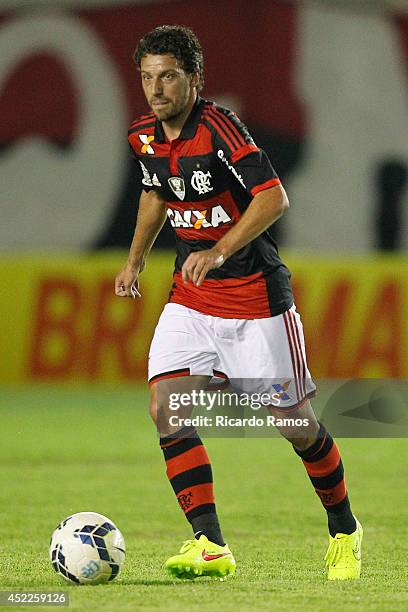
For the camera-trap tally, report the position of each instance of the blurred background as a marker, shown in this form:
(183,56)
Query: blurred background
(322,86)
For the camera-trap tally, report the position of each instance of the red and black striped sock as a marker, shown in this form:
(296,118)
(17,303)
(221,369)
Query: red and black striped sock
(190,475)
(325,469)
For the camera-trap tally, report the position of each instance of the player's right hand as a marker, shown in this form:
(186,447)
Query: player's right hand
(127,282)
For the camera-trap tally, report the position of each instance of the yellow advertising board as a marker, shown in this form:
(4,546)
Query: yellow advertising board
(61,321)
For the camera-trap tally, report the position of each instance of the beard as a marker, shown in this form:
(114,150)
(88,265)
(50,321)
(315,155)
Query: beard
(172,110)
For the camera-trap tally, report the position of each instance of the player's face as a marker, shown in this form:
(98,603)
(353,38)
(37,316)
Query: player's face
(168,89)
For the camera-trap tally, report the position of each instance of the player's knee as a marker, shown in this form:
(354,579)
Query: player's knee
(153,411)
(301,427)
(153,403)
(301,439)
(158,409)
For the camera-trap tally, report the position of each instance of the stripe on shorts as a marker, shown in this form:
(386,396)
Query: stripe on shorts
(296,355)
(292,355)
(300,353)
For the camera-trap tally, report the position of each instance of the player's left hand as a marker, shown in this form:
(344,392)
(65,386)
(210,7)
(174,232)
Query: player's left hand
(197,265)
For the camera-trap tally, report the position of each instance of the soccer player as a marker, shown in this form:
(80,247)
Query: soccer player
(230,311)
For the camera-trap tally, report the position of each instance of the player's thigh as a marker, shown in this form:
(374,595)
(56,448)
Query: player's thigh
(173,400)
(182,345)
(269,356)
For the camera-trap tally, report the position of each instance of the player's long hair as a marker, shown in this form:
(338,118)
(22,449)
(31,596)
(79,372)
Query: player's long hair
(179,41)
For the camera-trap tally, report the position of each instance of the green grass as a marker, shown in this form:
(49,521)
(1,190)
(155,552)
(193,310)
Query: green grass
(64,451)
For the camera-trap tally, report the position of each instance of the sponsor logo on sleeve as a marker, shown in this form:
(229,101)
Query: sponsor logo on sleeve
(230,167)
(149,181)
(146,180)
(156,181)
(146,146)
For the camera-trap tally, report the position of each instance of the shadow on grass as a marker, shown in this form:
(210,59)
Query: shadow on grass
(169,582)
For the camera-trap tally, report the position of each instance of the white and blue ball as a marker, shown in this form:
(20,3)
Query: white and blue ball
(87,548)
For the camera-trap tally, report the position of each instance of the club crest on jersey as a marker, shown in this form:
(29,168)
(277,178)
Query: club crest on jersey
(198,219)
(146,146)
(177,186)
(200,181)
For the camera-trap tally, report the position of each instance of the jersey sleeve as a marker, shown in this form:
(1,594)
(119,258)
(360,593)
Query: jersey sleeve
(235,148)
(141,174)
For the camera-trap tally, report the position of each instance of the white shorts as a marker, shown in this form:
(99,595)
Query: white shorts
(264,355)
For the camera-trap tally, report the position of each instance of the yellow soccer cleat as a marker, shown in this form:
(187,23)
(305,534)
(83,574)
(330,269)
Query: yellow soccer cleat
(201,558)
(343,557)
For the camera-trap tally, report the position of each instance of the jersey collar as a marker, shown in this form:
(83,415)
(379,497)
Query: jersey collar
(189,128)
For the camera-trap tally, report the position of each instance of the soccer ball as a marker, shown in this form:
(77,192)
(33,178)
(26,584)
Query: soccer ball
(87,548)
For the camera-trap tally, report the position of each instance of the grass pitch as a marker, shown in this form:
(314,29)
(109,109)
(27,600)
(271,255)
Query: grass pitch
(64,451)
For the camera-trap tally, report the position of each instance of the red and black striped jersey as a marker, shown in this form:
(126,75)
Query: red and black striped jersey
(208,177)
